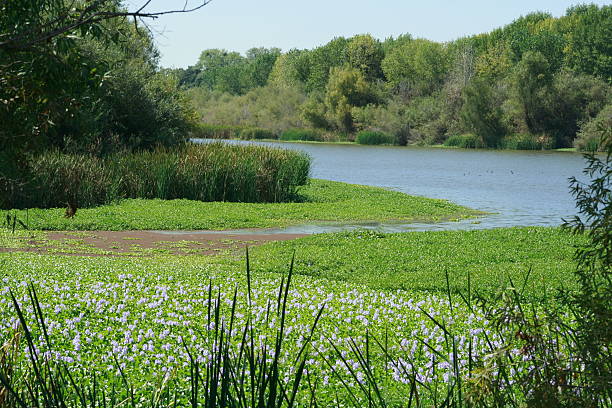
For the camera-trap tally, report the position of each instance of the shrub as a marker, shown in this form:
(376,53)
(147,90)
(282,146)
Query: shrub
(302,134)
(207,172)
(256,133)
(591,132)
(207,131)
(373,137)
(526,141)
(466,141)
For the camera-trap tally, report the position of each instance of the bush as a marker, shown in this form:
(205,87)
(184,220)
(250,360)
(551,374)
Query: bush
(373,137)
(591,132)
(257,133)
(466,141)
(208,172)
(302,134)
(207,131)
(526,141)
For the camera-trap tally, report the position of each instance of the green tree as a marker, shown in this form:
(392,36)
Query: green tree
(260,62)
(366,54)
(589,40)
(418,66)
(481,112)
(322,59)
(347,88)
(57,61)
(221,70)
(290,69)
(532,86)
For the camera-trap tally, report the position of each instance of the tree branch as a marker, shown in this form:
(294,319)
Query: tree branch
(88,15)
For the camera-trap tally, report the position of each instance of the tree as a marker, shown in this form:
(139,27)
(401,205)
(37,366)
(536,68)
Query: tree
(260,62)
(419,66)
(347,87)
(290,69)
(531,84)
(365,53)
(589,45)
(481,112)
(54,69)
(221,70)
(28,24)
(322,59)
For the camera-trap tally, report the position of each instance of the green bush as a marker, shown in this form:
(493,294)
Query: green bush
(526,141)
(373,137)
(257,134)
(207,131)
(302,134)
(208,172)
(466,141)
(591,132)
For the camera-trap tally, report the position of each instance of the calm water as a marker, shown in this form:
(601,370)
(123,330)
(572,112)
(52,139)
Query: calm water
(519,187)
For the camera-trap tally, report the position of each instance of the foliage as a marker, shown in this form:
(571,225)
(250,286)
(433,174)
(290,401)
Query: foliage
(419,259)
(526,141)
(66,83)
(482,112)
(271,107)
(416,67)
(302,134)
(366,54)
(466,141)
(373,137)
(347,88)
(592,305)
(318,201)
(390,118)
(588,46)
(257,133)
(231,371)
(532,83)
(322,60)
(207,131)
(591,132)
(208,172)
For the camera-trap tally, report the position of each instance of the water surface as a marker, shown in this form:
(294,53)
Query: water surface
(520,188)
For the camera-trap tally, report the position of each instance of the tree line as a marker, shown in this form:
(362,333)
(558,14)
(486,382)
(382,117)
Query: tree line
(539,81)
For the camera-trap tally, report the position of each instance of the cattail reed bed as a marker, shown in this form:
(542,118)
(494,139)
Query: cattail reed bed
(210,172)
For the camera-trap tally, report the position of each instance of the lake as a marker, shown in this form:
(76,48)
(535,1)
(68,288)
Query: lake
(518,188)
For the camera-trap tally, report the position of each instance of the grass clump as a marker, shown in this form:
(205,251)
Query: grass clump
(257,134)
(206,172)
(526,141)
(308,135)
(319,201)
(373,137)
(207,131)
(466,141)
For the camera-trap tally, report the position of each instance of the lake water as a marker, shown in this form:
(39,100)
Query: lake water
(519,188)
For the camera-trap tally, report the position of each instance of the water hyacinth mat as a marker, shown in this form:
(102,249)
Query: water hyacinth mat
(146,318)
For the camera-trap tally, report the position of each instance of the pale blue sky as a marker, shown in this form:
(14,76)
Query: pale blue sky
(238,25)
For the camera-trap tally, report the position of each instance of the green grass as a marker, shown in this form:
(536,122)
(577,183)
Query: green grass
(321,201)
(419,260)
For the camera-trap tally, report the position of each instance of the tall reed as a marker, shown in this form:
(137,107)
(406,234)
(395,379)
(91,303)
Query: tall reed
(206,172)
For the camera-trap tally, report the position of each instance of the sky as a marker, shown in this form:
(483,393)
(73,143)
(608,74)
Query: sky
(237,25)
